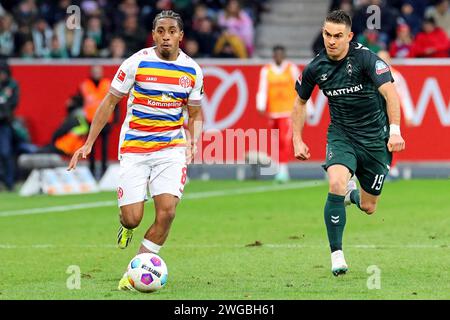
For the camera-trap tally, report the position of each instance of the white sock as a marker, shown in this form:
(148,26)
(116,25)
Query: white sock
(153,247)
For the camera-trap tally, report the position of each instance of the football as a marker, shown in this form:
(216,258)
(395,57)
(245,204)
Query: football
(147,272)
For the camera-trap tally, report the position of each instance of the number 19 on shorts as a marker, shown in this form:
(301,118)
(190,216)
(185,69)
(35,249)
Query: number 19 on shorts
(378,182)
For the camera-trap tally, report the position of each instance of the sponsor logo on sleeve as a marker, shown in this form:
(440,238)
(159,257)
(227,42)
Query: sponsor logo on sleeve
(381,67)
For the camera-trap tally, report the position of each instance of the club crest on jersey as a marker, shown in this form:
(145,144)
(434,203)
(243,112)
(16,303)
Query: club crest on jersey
(119,193)
(349,68)
(185,82)
(381,67)
(121,76)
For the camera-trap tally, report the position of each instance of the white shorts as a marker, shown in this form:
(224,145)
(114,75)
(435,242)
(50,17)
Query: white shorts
(163,171)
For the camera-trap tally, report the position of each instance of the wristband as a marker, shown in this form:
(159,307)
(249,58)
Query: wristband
(394,129)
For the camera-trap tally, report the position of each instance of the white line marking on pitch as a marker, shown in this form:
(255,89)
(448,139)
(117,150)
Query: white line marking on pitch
(196,195)
(235,246)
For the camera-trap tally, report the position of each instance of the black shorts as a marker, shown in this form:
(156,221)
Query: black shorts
(370,162)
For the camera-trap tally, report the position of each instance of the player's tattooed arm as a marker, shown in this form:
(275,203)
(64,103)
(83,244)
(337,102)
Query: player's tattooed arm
(101,117)
(301,150)
(388,91)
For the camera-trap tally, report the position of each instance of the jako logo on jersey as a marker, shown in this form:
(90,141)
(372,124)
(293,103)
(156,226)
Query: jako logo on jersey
(185,82)
(121,76)
(338,92)
(119,193)
(381,67)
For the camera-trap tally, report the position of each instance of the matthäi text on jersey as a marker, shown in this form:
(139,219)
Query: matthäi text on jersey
(338,92)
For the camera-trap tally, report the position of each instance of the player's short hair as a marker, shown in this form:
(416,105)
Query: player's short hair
(168,14)
(339,17)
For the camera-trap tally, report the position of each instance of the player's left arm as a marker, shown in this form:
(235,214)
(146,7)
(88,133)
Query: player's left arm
(388,91)
(195,127)
(195,117)
(380,73)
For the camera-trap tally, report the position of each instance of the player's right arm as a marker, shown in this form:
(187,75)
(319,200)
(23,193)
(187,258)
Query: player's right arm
(101,118)
(304,87)
(120,86)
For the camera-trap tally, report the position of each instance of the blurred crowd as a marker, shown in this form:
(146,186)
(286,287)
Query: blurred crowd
(407,28)
(118,28)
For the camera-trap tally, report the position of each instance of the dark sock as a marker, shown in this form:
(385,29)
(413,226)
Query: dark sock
(335,218)
(354,198)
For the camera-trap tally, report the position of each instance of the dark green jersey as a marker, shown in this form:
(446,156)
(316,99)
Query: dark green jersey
(351,85)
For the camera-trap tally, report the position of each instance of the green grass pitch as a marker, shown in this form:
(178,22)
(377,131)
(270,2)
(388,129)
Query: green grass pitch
(211,251)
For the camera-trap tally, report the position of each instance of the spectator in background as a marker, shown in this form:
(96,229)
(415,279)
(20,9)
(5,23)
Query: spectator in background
(126,8)
(401,46)
(133,35)
(93,89)
(433,42)
(70,39)
(7,45)
(9,97)
(94,31)
(370,39)
(237,22)
(117,48)
(409,16)
(55,13)
(72,133)
(90,49)
(27,50)
(191,47)
(26,12)
(22,35)
(56,51)
(229,46)
(206,37)
(201,12)
(42,37)
(275,99)
(441,14)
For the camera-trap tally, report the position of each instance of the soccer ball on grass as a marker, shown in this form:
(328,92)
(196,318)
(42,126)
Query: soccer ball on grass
(147,272)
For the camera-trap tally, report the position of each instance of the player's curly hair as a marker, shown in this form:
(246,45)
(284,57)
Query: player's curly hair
(168,14)
(339,17)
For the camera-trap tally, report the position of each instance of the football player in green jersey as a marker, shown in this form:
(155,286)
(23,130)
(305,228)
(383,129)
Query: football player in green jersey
(364,128)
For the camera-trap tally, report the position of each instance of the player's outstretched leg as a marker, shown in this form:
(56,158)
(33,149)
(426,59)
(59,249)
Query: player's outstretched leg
(156,235)
(335,216)
(130,217)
